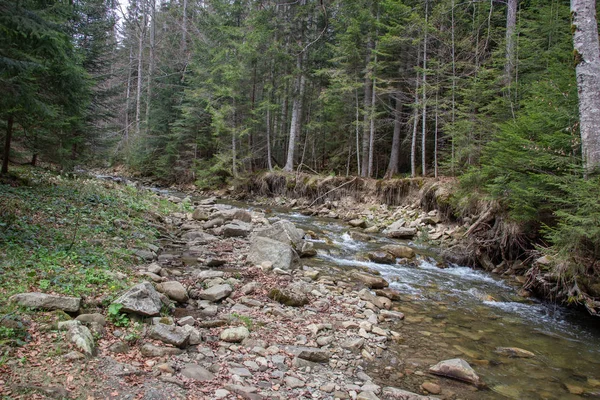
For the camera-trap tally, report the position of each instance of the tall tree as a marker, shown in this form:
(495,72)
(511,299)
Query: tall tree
(587,61)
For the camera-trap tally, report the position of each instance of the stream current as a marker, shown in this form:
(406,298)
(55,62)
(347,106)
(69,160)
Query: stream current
(460,312)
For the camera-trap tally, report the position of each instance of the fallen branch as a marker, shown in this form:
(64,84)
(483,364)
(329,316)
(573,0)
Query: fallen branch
(335,188)
(482,218)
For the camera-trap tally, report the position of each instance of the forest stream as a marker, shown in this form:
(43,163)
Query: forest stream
(458,312)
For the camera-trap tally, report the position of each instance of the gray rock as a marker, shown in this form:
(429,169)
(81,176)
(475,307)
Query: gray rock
(170,334)
(399,251)
(200,214)
(313,354)
(281,255)
(47,301)
(293,382)
(249,288)
(396,232)
(283,231)
(197,373)
(239,371)
(194,335)
(242,215)
(353,344)
(234,335)
(371,281)
(456,368)
(237,229)
(358,223)
(514,352)
(381,257)
(92,318)
(216,293)
(174,290)
(187,320)
(367,395)
(150,350)
(199,237)
(289,297)
(209,274)
(392,393)
(145,255)
(119,347)
(82,338)
(213,223)
(141,299)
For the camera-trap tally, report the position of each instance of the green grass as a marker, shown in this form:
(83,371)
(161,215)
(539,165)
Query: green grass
(69,236)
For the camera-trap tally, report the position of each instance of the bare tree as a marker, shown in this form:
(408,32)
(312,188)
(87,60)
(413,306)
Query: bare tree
(424,82)
(138,97)
(511,23)
(587,59)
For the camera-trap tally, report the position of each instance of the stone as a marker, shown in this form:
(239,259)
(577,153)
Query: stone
(371,281)
(234,335)
(399,251)
(170,334)
(47,301)
(241,372)
(95,318)
(141,299)
(325,340)
(237,229)
(145,255)
(221,393)
(357,223)
(281,255)
(200,214)
(174,290)
(285,232)
(293,382)
(216,293)
(367,395)
(82,338)
(119,347)
(199,237)
(289,297)
(195,337)
(353,344)
(431,387)
(397,231)
(197,373)
(150,350)
(313,354)
(249,288)
(381,257)
(456,368)
(392,393)
(242,215)
(209,274)
(165,368)
(187,320)
(327,387)
(514,352)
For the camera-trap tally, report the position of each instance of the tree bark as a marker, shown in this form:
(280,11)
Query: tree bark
(138,97)
(424,82)
(587,70)
(150,64)
(7,140)
(413,146)
(511,23)
(395,152)
(366,105)
(296,113)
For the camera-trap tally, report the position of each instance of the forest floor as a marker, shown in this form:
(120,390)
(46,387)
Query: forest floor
(221,330)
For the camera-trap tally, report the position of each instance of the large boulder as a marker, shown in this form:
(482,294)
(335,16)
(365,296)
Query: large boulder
(216,293)
(174,290)
(80,336)
(283,231)
(456,368)
(282,255)
(381,257)
(47,301)
(141,299)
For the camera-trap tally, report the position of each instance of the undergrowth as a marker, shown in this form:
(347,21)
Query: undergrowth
(69,236)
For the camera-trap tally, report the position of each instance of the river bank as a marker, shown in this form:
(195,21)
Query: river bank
(342,337)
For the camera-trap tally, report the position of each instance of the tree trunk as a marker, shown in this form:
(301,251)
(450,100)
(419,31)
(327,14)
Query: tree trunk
(413,146)
(150,65)
(366,104)
(395,153)
(371,130)
(424,125)
(511,23)
(357,135)
(435,140)
(138,97)
(128,97)
(184,29)
(587,59)
(296,114)
(7,140)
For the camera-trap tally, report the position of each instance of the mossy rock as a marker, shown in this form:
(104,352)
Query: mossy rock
(288,298)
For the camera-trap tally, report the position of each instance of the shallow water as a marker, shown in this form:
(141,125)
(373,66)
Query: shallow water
(461,312)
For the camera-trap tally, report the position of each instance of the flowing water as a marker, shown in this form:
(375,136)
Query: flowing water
(460,312)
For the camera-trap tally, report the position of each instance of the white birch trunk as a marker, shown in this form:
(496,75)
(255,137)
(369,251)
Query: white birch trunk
(511,23)
(296,116)
(138,97)
(424,125)
(587,59)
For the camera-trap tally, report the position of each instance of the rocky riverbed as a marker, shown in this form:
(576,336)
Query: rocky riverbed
(226,309)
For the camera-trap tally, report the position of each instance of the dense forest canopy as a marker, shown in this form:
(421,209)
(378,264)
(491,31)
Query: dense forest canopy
(503,94)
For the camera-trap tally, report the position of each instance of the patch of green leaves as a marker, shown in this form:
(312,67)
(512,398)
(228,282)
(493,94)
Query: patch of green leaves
(115,316)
